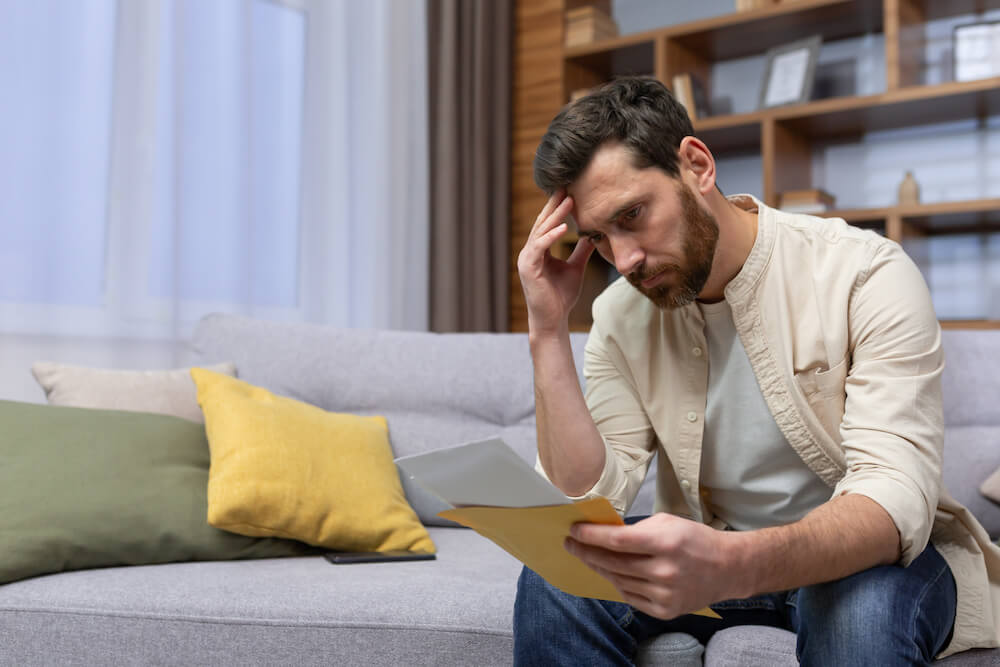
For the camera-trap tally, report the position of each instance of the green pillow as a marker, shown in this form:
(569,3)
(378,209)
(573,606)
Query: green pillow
(84,488)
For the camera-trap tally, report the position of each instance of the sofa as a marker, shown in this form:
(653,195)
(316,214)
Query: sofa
(435,390)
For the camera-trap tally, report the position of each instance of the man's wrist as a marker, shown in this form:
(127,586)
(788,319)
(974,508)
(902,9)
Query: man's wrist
(539,338)
(741,561)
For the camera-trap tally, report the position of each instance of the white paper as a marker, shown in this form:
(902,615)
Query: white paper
(485,473)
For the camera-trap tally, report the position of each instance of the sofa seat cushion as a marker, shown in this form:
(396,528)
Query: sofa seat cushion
(761,646)
(295,611)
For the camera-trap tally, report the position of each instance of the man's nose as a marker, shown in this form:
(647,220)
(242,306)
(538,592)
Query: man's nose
(627,254)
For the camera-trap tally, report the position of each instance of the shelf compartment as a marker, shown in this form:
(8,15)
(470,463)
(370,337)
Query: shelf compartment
(740,34)
(855,116)
(977,216)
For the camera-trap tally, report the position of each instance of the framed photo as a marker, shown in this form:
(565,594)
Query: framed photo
(977,51)
(789,73)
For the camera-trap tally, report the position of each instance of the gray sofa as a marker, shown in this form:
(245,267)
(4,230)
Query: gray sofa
(435,390)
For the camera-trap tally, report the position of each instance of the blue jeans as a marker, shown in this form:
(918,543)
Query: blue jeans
(888,615)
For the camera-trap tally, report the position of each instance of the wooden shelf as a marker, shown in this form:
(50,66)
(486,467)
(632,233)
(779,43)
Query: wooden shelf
(752,32)
(784,137)
(853,116)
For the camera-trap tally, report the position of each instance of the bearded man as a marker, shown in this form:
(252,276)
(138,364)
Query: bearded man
(785,368)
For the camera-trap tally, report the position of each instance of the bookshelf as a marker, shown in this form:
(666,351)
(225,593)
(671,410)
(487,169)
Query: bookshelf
(782,137)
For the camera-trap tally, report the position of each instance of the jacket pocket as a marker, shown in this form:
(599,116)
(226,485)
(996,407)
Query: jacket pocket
(823,389)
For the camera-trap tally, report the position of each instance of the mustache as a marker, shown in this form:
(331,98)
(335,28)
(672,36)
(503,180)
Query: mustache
(643,272)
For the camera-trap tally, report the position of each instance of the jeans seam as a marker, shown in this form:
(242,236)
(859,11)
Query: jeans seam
(920,599)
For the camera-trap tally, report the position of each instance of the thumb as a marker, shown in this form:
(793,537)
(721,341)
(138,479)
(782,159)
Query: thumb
(581,253)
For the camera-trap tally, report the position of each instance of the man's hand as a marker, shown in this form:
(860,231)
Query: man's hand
(551,286)
(665,566)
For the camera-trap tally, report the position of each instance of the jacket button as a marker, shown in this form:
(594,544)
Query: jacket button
(686,485)
(692,416)
(696,351)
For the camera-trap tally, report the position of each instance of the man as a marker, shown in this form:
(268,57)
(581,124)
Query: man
(787,370)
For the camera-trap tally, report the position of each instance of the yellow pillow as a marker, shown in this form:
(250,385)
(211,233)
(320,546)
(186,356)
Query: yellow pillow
(284,468)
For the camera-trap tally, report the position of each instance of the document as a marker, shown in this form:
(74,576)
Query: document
(500,496)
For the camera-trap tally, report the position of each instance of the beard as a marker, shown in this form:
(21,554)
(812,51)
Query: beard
(684,282)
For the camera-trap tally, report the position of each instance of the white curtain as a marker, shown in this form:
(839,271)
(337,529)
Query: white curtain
(168,158)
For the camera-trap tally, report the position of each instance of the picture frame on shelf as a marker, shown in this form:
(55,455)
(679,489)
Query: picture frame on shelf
(789,73)
(976,50)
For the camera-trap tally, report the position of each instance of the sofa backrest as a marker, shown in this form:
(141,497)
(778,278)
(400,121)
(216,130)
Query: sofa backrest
(438,390)
(971,395)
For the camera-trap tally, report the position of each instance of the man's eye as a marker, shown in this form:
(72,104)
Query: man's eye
(632,213)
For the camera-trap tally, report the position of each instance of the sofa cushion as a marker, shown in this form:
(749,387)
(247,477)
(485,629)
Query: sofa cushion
(89,488)
(455,610)
(762,646)
(165,392)
(284,468)
(971,454)
(969,382)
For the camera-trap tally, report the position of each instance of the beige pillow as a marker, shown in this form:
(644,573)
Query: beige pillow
(991,486)
(170,392)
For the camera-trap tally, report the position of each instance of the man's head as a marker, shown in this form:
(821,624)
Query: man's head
(619,154)
(636,112)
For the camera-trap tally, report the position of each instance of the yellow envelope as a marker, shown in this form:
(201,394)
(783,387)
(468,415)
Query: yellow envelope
(535,536)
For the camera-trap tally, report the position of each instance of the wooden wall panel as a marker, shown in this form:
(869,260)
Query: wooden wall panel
(537,97)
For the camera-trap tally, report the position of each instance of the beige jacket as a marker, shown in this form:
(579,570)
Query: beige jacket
(840,332)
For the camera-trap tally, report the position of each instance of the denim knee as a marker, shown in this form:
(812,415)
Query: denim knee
(552,627)
(886,615)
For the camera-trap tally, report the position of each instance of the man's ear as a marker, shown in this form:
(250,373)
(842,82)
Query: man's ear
(697,164)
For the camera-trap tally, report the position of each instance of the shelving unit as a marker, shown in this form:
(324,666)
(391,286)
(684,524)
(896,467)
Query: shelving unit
(784,137)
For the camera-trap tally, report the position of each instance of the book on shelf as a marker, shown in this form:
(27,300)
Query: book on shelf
(578,93)
(588,24)
(812,200)
(690,92)
(746,5)
(500,496)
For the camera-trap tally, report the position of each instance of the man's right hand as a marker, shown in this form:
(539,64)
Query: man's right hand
(551,286)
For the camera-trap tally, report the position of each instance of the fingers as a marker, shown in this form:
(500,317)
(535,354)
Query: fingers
(622,539)
(616,562)
(581,253)
(554,200)
(555,217)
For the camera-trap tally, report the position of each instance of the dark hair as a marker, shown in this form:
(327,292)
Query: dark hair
(637,111)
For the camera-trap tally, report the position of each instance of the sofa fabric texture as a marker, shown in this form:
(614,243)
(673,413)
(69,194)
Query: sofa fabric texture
(435,390)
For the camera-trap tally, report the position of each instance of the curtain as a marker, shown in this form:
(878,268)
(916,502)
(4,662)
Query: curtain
(469,80)
(169,158)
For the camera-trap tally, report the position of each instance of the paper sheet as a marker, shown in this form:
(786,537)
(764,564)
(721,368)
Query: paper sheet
(535,536)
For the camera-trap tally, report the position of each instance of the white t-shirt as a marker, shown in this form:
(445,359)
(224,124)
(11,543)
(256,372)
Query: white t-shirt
(752,476)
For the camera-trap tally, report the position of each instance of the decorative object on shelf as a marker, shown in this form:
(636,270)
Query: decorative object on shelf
(588,24)
(747,5)
(690,92)
(578,93)
(789,74)
(813,200)
(909,190)
(977,51)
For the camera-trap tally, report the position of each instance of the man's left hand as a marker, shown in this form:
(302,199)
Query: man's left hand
(665,566)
